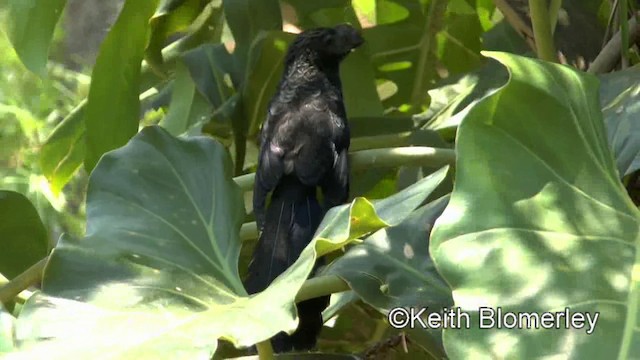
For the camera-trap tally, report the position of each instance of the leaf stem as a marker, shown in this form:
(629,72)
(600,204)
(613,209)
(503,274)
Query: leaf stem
(388,157)
(433,25)
(321,286)
(380,141)
(542,30)
(265,351)
(21,282)
(610,54)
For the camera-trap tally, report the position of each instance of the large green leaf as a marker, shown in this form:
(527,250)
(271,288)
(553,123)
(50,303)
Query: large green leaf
(347,222)
(454,97)
(392,267)
(30,27)
(619,92)
(156,276)
(246,19)
(113,106)
(23,237)
(538,220)
(459,41)
(214,72)
(157,272)
(358,85)
(401,48)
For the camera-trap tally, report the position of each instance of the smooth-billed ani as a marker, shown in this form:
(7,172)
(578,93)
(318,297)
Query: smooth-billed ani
(304,145)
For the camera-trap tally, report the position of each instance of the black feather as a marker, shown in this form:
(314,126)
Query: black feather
(304,145)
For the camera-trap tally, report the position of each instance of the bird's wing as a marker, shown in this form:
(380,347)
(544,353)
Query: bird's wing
(270,167)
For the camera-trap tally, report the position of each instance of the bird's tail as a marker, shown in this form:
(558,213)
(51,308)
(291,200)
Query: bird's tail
(290,222)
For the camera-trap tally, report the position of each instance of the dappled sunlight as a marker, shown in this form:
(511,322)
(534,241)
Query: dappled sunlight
(504,344)
(539,222)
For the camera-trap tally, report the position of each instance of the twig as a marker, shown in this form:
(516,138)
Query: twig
(265,351)
(380,158)
(433,25)
(516,22)
(321,286)
(607,32)
(609,56)
(14,287)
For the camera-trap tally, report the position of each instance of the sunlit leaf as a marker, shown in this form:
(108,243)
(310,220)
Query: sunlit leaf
(392,267)
(538,221)
(112,112)
(30,27)
(156,275)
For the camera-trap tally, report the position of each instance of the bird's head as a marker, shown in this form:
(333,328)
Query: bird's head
(327,44)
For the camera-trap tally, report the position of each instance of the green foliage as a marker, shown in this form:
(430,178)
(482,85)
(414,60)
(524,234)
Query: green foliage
(388,274)
(532,217)
(31,30)
(30,107)
(538,220)
(112,105)
(23,237)
(172,251)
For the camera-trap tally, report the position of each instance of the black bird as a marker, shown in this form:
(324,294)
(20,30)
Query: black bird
(304,145)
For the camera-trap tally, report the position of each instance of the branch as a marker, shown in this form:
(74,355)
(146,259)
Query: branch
(433,25)
(21,282)
(610,54)
(321,286)
(542,30)
(265,351)
(380,158)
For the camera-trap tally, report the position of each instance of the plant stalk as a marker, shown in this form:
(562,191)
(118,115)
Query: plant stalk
(542,30)
(426,62)
(380,158)
(265,351)
(321,286)
(21,282)
(610,54)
